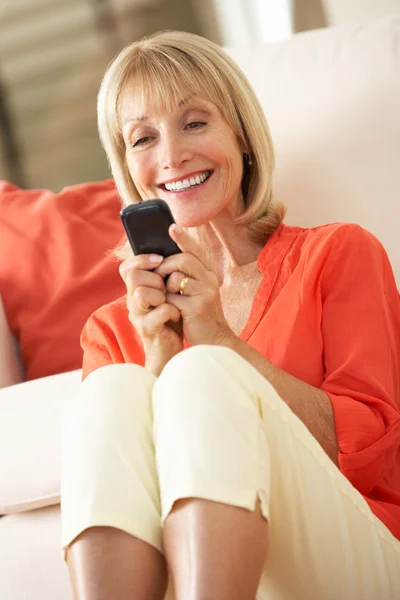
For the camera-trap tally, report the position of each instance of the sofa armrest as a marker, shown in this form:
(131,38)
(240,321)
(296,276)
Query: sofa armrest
(30,441)
(11,368)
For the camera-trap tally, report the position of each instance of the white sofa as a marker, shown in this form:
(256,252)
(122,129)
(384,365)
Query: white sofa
(332,99)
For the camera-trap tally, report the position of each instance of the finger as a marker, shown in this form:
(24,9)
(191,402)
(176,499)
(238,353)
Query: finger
(174,283)
(156,320)
(185,242)
(188,306)
(146,299)
(135,278)
(145,262)
(184,263)
(185,304)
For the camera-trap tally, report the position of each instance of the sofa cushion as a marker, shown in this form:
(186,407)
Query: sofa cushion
(31,565)
(54,268)
(30,441)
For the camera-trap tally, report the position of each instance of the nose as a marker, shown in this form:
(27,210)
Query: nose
(173,152)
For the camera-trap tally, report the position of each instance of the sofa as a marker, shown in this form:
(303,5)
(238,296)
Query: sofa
(332,99)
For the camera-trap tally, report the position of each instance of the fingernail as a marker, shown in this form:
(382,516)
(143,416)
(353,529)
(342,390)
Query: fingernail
(155,258)
(177,228)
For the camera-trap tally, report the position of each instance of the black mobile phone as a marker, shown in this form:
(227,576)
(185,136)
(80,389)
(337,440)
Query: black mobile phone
(146,224)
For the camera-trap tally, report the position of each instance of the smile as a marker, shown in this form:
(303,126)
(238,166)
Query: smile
(187,184)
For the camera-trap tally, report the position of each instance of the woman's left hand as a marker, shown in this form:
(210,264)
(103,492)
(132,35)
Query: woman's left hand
(200,304)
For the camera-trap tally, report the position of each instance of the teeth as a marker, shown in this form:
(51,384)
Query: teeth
(187,183)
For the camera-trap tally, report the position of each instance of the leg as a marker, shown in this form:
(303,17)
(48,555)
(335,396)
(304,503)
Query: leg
(215,550)
(214,480)
(323,540)
(105,563)
(111,531)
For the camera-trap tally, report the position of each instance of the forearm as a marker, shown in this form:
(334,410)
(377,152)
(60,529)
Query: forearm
(309,403)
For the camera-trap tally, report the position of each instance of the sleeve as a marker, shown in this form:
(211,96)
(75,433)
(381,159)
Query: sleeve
(98,349)
(361,332)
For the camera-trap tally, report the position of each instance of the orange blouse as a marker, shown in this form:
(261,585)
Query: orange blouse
(328,312)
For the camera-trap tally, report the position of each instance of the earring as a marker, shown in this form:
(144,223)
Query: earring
(247,158)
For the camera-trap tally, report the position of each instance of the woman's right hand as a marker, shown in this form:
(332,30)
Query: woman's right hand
(149,312)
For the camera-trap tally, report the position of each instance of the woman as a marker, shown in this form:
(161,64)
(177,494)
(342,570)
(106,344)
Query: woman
(237,434)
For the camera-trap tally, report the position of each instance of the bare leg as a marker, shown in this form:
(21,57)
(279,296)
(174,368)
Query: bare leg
(109,564)
(215,551)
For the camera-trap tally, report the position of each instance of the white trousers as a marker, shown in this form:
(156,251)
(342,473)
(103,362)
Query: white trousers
(212,427)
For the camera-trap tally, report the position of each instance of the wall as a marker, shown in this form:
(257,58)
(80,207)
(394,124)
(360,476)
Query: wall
(53,54)
(313,14)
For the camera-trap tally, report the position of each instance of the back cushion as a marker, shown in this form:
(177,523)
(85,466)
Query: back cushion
(55,269)
(332,99)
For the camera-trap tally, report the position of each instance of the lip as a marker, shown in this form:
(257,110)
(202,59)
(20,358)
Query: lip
(187,176)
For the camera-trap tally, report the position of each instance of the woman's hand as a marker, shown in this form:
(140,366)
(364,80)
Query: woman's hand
(200,304)
(149,312)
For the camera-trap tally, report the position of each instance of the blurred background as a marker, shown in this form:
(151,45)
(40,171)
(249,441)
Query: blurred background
(53,54)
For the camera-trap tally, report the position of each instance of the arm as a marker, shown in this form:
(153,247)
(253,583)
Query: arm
(94,345)
(108,337)
(355,414)
(361,332)
(11,368)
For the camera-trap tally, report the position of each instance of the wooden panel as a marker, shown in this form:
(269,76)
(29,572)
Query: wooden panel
(53,54)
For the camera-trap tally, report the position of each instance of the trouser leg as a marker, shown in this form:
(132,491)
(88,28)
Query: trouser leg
(108,470)
(222,433)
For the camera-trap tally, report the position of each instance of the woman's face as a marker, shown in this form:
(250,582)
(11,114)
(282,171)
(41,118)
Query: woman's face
(189,157)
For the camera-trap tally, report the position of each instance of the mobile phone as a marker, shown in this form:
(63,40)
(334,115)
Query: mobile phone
(146,224)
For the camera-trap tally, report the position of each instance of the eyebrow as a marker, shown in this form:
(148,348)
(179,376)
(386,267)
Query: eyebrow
(144,118)
(134,120)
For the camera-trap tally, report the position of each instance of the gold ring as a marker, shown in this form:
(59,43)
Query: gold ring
(183,284)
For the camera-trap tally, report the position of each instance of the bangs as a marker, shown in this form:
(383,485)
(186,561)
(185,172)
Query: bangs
(169,79)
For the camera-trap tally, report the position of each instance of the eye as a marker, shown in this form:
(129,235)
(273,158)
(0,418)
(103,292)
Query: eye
(141,141)
(195,125)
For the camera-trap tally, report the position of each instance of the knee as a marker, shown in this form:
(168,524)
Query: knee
(194,373)
(196,362)
(213,372)
(111,390)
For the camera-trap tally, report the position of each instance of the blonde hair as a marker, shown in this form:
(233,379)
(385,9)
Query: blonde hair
(169,66)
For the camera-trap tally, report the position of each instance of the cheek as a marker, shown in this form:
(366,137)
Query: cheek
(139,171)
(140,177)
(234,175)
(233,179)
(235,166)
(227,151)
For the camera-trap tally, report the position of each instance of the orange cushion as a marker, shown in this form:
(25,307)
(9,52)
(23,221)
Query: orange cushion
(54,268)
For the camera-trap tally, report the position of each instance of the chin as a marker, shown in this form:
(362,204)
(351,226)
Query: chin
(188,223)
(186,219)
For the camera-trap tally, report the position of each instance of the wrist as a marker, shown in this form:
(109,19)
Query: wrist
(154,368)
(157,353)
(225,337)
